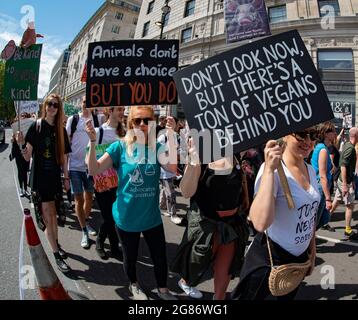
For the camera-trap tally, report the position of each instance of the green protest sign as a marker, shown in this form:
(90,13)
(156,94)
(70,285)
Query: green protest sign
(22,74)
(70,109)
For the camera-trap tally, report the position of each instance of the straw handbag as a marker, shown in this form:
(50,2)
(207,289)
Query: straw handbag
(285,278)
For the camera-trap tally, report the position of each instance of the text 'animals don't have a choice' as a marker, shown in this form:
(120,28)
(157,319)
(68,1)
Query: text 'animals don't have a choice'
(137,72)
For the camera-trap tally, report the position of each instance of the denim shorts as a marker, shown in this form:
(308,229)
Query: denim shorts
(80,182)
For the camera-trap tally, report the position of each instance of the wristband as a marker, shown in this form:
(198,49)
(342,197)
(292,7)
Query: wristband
(94,141)
(328,200)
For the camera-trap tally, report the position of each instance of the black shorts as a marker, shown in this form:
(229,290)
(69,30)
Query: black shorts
(47,196)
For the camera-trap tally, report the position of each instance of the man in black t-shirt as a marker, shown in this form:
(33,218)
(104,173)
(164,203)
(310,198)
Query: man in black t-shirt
(345,183)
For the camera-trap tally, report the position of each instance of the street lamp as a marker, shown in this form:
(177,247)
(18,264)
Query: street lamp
(165,10)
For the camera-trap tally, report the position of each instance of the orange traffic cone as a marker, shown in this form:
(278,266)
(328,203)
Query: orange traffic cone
(49,285)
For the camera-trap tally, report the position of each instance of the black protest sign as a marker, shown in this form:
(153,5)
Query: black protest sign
(246,96)
(131,72)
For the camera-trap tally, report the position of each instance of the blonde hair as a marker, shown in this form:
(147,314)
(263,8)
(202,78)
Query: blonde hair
(130,138)
(59,131)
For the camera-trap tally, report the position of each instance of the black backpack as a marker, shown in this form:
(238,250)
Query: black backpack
(75,120)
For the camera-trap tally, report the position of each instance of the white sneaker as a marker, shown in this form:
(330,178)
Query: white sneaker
(90,230)
(192,292)
(167,295)
(137,292)
(165,213)
(85,240)
(175,219)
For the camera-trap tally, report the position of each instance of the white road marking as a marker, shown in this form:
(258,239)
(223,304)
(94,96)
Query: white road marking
(21,249)
(347,243)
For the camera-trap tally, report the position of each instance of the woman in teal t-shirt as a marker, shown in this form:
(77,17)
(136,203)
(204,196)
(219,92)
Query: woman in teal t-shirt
(137,160)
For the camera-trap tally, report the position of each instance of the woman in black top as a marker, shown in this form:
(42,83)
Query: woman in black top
(217,230)
(47,143)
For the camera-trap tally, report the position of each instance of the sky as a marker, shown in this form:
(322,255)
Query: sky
(58,21)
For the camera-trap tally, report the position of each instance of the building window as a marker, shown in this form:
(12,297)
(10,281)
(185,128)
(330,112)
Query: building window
(135,21)
(166,19)
(277,14)
(119,15)
(145,29)
(186,35)
(328,8)
(150,7)
(189,8)
(335,60)
(115,29)
(131,34)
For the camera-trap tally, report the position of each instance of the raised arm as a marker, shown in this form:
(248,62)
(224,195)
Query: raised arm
(169,163)
(26,148)
(96,166)
(262,211)
(192,171)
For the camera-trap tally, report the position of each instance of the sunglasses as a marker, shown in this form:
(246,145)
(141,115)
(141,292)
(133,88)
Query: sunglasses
(302,136)
(53,104)
(138,121)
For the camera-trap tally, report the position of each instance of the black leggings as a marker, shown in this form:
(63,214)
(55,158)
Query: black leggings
(255,287)
(155,240)
(105,201)
(22,169)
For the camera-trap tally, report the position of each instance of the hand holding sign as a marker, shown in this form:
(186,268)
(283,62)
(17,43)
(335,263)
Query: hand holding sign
(91,132)
(170,124)
(193,154)
(273,155)
(20,138)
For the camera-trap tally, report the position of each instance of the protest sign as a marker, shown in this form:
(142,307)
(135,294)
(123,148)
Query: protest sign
(28,107)
(246,96)
(22,74)
(24,125)
(108,179)
(70,109)
(245,19)
(131,72)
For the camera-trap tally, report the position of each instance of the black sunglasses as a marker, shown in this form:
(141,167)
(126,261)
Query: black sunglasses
(53,104)
(138,121)
(301,136)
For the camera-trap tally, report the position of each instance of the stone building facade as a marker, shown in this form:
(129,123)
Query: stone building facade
(329,29)
(114,20)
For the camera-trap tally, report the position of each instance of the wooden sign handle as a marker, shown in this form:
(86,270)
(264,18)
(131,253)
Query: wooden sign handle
(285,187)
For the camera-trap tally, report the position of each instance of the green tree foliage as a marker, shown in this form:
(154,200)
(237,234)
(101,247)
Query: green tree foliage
(7,110)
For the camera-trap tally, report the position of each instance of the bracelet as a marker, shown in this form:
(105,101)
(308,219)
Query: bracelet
(328,200)
(94,141)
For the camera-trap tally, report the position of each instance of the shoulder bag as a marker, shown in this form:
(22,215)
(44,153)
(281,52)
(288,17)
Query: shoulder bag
(285,278)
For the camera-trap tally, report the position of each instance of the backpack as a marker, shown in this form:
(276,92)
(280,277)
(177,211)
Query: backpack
(75,120)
